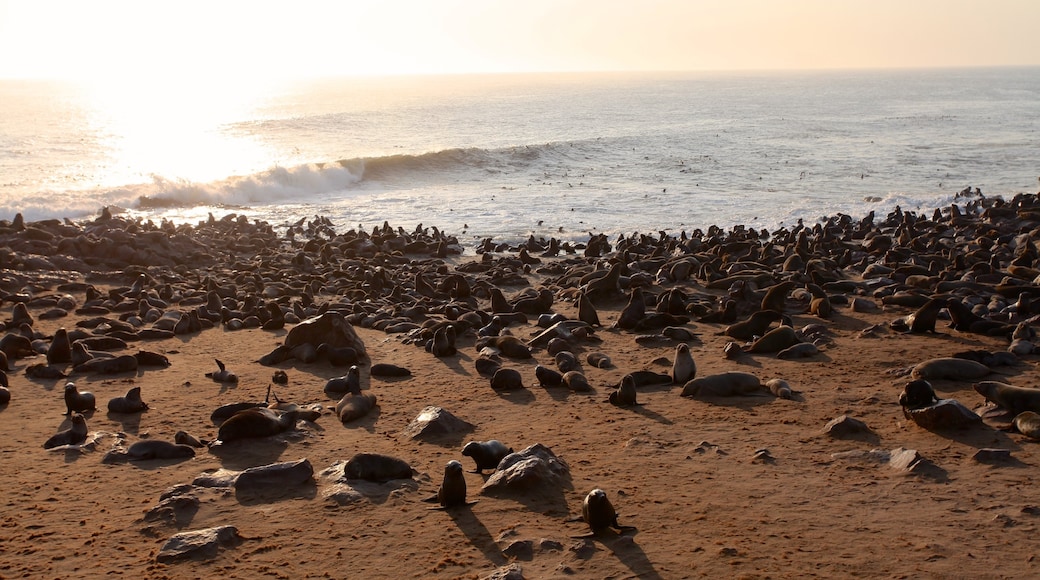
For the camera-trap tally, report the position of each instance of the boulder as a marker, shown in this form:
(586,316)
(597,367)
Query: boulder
(434,422)
(200,544)
(330,328)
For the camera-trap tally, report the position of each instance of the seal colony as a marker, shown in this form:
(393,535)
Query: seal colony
(632,313)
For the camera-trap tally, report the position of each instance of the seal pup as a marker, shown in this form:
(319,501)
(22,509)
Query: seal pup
(78,401)
(486,454)
(129,403)
(625,395)
(684,369)
(256,422)
(1028,424)
(755,325)
(917,394)
(600,515)
(780,388)
(222,375)
(185,438)
(74,435)
(452,492)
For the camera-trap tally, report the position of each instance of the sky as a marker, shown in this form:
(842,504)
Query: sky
(190,39)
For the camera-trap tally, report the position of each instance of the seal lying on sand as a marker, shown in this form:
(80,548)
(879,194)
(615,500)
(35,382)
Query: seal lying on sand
(74,435)
(1015,399)
(256,422)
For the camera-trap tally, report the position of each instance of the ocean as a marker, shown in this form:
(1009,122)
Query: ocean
(508,156)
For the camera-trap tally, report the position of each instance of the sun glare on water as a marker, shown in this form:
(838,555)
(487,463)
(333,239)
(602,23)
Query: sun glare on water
(173,131)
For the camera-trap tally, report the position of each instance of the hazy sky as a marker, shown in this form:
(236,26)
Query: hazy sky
(215,38)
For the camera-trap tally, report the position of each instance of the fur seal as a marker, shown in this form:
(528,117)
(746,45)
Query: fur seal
(185,438)
(74,435)
(1028,424)
(78,401)
(507,380)
(1013,399)
(389,370)
(728,384)
(5,395)
(60,350)
(780,388)
(599,360)
(487,365)
(348,383)
(625,395)
(443,342)
(108,365)
(452,492)
(337,356)
(776,296)
(566,362)
(683,367)
(917,394)
(376,467)
(586,311)
(158,449)
(509,346)
(798,350)
(486,454)
(576,381)
(957,369)
(775,340)
(222,375)
(633,313)
(354,406)
(256,422)
(600,515)
(547,377)
(923,319)
(129,403)
(755,325)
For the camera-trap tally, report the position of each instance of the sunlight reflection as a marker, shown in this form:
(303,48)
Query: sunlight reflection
(180,131)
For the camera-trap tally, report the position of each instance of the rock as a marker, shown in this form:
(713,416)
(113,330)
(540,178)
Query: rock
(174,510)
(845,426)
(533,466)
(330,328)
(276,476)
(200,544)
(218,478)
(520,549)
(990,455)
(946,414)
(433,422)
(906,459)
(510,572)
(342,494)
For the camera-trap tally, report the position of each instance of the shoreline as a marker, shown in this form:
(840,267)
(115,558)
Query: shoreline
(687,472)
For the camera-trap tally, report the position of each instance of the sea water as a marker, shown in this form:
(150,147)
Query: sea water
(507,156)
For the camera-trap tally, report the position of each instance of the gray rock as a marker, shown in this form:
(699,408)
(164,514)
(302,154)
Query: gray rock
(845,426)
(991,455)
(433,422)
(946,414)
(219,478)
(330,328)
(175,510)
(535,465)
(275,476)
(520,549)
(201,544)
(510,572)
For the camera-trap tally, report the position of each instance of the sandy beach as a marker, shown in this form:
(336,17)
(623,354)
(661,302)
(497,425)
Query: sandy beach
(688,473)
